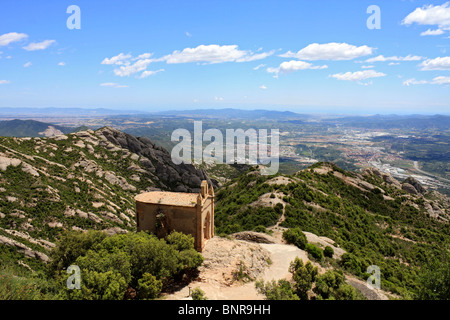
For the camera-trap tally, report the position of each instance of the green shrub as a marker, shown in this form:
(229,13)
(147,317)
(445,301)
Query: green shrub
(260,228)
(198,294)
(276,290)
(331,286)
(296,237)
(112,264)
(328,252)
(314,251)
(149,287)
(304,276)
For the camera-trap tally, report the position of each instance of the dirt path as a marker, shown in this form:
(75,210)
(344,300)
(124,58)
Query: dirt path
(215,289)
(222,258)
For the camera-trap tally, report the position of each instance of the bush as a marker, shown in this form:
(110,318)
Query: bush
(112,264)
(351,263)
(331,286)
(276,290)
(260,228)
(328,252)
(296,237)
(198,294)
(149,287)
(314,251)
(304,276)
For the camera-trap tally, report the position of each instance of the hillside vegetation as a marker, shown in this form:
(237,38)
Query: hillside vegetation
(370,216)
(75,182)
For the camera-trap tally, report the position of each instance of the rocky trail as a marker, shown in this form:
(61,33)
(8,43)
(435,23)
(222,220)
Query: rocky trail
(222,276)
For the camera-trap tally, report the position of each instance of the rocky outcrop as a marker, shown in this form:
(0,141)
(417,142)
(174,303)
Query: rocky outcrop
(156,160)
(252,236)
(409,188)
(415,184)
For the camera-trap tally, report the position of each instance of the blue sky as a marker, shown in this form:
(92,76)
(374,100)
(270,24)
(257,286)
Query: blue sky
(305,56)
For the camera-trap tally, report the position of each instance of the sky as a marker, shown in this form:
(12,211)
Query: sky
(306,56)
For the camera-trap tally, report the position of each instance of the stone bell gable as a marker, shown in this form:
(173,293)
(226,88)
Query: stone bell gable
(190,213)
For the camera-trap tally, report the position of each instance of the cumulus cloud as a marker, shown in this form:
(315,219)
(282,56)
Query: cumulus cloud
(39,45)
(358,75)
(440,63)
(118,60)
(61,64)
(263,87)
(28,64)
(7,38)
(130,69)
(382,58)
(210,54)
(438,15)
(430,32)
(294,65)
(128,65)
(441,80)
(329,51)
(113,85)
(4,81)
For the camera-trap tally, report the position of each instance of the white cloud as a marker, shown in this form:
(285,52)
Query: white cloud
(4,81)
(28,64)
(129,65)
(382,58)
(441,80)
(7,38)
(39,45)
(188,34)
(252,57)
(358,75)
(61,64)
(117,60)
(143,56)
(130,69)
(218,98)
(210,54)
(113,85)
(294,65)
(148,73)
(440,63)
(259,66)
(263,87)
(367,67)
(430,32)
(430,15)
(393,63)
(329,51)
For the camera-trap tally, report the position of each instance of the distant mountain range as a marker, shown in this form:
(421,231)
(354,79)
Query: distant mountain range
(32,128)
(369,122)
(235,114)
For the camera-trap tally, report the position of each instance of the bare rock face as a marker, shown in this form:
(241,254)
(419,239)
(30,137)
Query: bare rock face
(409,188)
(252,236)
(155,159)
(416,184)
